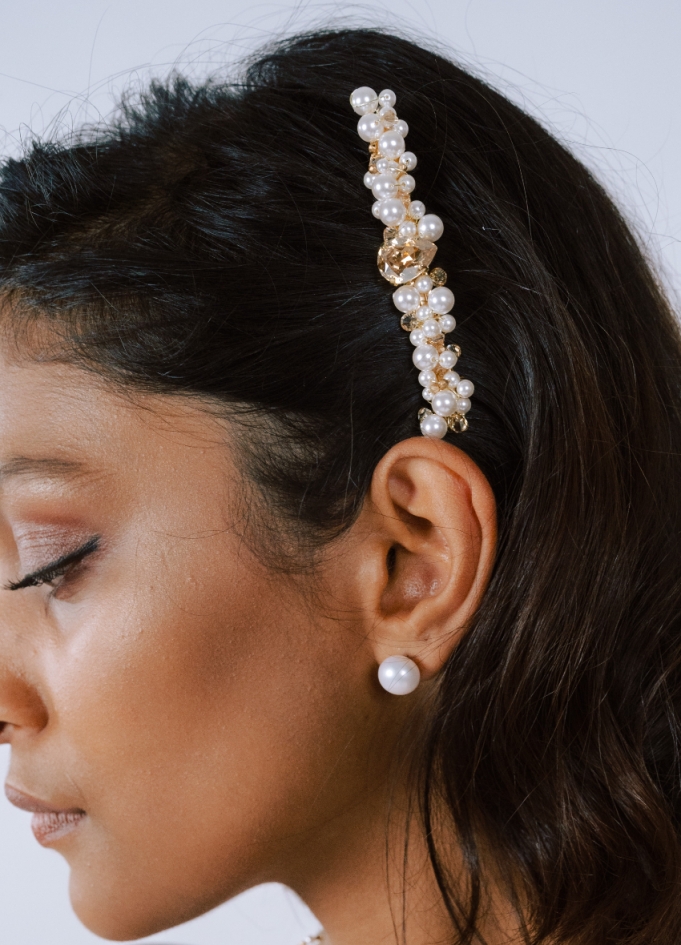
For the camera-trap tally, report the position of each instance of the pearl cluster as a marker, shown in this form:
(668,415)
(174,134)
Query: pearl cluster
(404,260)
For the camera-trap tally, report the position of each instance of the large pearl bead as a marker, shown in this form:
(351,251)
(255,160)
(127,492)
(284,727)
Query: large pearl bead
(392,212)
(369,127)
(408,161)
(364,100)
(431,227)
(406,298)
(447,323)
(390,144)
(465,388)
(386,97)
(424,357)
(434,426)
(399,675)
(416,209)
(383,186)
(441,299)
(444,403)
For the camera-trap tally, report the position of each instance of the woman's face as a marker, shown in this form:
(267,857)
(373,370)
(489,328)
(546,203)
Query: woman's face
(178,697)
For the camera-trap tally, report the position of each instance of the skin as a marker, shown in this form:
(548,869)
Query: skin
(221,723)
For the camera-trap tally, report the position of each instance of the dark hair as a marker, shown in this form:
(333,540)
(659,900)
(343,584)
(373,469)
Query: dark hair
(216,240)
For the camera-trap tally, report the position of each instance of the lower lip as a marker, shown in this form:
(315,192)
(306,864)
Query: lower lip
(48,828)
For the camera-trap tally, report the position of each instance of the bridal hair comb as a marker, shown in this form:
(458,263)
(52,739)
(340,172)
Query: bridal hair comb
(404,259)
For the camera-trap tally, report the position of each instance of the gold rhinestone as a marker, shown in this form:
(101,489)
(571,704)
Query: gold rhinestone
(403,263)
(409,321)
(439,276)
(457,423)
(422,413)
(390,232)
(456,349)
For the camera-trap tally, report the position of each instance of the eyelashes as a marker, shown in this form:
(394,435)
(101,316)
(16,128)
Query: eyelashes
(55,569)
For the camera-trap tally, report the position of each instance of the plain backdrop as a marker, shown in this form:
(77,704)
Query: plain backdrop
(604,74)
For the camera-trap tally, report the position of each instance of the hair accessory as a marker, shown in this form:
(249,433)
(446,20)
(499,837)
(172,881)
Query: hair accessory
(404,259)
(399,675)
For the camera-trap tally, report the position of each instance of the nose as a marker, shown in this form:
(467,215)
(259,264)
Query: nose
(22,709)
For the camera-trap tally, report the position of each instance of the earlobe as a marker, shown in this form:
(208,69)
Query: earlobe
(435,513)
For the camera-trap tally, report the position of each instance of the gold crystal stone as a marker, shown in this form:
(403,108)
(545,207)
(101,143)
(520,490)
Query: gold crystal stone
(422,412)
(390,232)
(409,321)
(457,423)
(456,349)
(439,276)
(400,264)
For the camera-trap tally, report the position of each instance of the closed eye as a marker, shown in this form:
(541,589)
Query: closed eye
(55,569)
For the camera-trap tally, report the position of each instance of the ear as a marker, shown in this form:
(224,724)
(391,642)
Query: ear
(428,551)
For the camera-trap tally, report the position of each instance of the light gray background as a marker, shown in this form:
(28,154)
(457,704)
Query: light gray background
(605,74)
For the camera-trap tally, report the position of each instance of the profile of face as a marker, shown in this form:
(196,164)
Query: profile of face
(187,720)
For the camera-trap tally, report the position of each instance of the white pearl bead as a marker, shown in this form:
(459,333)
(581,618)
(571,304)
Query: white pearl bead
(451,378)
(406,183)
(369,127)
(441,299)
(392,211)
(431,227)
(427,394)
(386,166)
(399,675)
(463,405)
(401,127)
(383,186)
(448,359)
(408,160)
(417,337)
(406,231)
(426,378)
(364,100)
(444,403)
(376,209)
(465,389)
(390,144)
(416,209)
(424,312)
(447,323)
(434,426)
(406,298)
(424,283)
(369,179)
(431,328)
(387,97)
(424,357)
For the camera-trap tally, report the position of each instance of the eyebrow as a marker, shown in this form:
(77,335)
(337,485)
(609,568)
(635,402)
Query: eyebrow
(43,468)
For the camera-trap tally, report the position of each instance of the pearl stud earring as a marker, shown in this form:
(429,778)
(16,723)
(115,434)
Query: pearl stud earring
(399,675)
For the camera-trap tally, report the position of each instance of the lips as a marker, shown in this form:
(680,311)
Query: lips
(49,823)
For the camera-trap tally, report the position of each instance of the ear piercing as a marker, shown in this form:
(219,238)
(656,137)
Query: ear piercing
(399,675)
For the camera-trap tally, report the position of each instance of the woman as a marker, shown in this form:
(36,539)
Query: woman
(220,518)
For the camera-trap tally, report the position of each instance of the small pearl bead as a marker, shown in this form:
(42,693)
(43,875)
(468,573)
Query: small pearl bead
(416,209)
(431,227)
(390,144)
(452,379)
(386,97)
(424,357)
(431,328)
(417,337)
(399,675)
(376,209)
(406,298)
(392,212)
(406,183)
(444,403)
(441,299)
(424,312)
(424,283)
(426,378)
(408,161)
(369,127)
(401,127)
(447,323)
(434,426)
(448,359)
(383,186)
(369,179)
(427,394)
(465,389)
(387,113)
(364,100)
(405,232)
(463,405)
(386,166)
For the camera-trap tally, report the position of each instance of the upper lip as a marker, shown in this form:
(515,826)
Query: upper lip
(33,805)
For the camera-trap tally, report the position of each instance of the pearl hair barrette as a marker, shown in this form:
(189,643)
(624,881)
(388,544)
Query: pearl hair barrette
(404,259)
